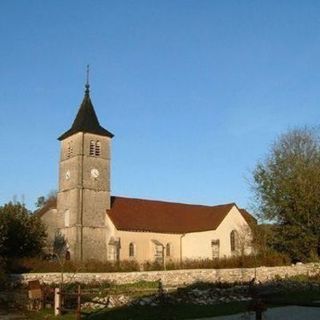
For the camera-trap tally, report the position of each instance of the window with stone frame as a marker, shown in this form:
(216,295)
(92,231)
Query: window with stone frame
(69,149)
(132,250)
(233,240)
(215,248)
(92,148)
(168,250)
(113,249)
(95,148)
(98,148)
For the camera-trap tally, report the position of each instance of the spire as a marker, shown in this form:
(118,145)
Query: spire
(86,119)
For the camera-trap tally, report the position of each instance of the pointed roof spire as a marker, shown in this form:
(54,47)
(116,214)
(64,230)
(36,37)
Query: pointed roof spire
(86,119)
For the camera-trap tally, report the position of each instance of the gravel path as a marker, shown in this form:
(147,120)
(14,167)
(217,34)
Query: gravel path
(281,313)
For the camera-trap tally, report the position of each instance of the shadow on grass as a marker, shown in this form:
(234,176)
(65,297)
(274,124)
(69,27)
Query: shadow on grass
(303,298)
(176,305)
(170,312)
(272,294)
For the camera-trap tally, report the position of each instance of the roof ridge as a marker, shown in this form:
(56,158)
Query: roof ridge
(178,203)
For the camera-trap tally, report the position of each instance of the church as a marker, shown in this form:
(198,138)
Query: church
(100,226)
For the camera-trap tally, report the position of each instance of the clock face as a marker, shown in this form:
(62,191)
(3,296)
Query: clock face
(94,173)
(68,174)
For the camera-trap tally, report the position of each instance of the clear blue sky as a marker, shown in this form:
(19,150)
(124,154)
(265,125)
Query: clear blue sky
(194,91)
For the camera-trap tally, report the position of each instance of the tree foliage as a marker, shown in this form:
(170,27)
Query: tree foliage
(287,190)
(42,200)
(21,233)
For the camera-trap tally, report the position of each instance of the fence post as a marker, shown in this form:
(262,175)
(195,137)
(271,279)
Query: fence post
(78,311)
(57,302)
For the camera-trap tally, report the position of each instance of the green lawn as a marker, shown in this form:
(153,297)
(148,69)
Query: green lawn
(307,295)
(166,312)
(302,298)
(47,314)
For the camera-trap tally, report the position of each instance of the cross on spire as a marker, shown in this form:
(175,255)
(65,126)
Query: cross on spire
(87,86)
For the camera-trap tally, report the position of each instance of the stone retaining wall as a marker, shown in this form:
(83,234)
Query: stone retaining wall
(176,277)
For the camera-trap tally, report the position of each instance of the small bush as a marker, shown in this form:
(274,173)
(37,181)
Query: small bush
(41,265)
(269,259)
(3,275)
(152,266)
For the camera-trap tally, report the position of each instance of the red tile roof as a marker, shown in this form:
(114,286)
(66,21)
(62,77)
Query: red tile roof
(250,219)
(165,217)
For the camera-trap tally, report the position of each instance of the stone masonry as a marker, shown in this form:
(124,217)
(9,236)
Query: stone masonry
(176,278)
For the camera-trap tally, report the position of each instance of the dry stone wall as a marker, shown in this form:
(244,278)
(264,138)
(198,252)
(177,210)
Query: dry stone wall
(176,277)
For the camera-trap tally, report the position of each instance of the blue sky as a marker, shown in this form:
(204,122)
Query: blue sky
(194,91)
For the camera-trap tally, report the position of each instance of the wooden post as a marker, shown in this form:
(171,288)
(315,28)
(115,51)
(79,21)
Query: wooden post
(78,311)
(57,302)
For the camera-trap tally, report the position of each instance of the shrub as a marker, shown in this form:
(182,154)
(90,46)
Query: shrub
(269,259)
(3,276)
(42,265)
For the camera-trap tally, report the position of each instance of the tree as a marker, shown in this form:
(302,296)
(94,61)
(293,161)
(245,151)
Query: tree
(287,192)
(21,233)
(42,200)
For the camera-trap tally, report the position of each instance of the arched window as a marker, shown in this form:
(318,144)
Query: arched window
(168,250)
(98,148)
(132,249)
(233,240)
(67,218)
(92,148)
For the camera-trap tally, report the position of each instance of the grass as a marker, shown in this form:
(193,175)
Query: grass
(299,298)
(177,311)
(186,311)
(303,291)
(47,314)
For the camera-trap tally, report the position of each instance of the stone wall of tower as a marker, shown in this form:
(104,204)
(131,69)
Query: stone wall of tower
(84,197)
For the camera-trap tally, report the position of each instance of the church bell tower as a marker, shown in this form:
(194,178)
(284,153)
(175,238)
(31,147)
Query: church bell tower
(84,184)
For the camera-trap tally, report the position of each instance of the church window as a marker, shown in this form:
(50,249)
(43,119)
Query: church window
(98,148)
(95,148)
(233,240)
(67,218)
(114,249)
(132,249)
(168,250)
(215,248)
(69,149)
(92,148)
(158,251)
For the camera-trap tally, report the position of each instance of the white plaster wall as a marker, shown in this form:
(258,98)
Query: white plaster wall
(197,245)
(145,246)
